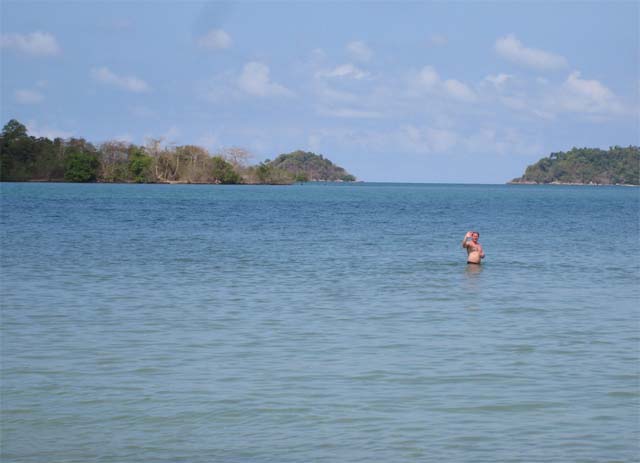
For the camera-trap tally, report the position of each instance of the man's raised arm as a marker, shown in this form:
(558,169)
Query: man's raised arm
(464,240)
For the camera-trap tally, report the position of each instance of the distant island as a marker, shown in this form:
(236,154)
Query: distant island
(306,166)
(24,158)
(586,166)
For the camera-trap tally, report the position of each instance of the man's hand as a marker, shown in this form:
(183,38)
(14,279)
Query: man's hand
(465,239)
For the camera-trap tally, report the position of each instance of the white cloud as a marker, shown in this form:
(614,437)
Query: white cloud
(512,49)
(347,71)
(129,83)
(215,39)
(28,97)
(590,96)
(359,50)
(429,80)
(255,80)
(548,99)
(591,89)
(36,43)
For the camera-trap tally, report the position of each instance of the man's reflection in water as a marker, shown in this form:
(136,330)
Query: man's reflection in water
(472,285)
(472,270)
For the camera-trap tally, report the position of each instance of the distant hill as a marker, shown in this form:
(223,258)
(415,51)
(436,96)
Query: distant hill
(306,166)
(592,166)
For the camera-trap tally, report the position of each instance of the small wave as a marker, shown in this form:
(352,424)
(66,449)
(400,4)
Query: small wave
(623,394)
(506,408)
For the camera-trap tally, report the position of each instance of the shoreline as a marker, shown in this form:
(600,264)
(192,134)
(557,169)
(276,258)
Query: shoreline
(174,182)
(569,183)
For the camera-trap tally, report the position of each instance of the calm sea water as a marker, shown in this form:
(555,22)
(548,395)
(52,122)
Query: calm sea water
(319,323)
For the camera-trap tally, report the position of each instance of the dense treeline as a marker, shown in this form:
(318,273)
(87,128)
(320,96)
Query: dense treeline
(27,158)
(618,166)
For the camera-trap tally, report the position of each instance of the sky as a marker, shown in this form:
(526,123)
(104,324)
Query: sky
(438,92)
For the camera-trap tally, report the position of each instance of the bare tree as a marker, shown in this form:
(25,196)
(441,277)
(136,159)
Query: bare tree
(191,163)
(238,157)
(113,163)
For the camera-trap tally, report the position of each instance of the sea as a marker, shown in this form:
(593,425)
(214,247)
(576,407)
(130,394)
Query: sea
(319,322)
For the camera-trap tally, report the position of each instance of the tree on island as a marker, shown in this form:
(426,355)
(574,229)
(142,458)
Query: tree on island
(81,167)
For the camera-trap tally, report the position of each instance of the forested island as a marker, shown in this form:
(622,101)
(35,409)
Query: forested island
(586,166)
(306,166)
(26,158)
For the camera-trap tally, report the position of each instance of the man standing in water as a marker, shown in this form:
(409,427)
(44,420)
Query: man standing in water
(475,254)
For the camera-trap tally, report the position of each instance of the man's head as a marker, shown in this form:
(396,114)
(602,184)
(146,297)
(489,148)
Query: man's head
(474,236)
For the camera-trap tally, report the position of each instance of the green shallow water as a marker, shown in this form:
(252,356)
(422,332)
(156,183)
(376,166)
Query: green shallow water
(319,322)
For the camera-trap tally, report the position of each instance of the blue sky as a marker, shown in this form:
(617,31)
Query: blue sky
(467,92)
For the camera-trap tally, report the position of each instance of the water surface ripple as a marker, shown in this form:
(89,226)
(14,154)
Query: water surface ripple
(319,323)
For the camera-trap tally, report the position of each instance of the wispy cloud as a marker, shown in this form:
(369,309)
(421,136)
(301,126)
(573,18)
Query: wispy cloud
(349,113)
(359,50)
(124,137)
(427,139)
(325,92)
(255,80)
(437,40)
(117,25)
(28,97)
(498,80)
(215,39)
(209,140)
(130,83)
(142,112)
(344,91)
(347,71)
(171,134)
(427,78)
(458,90)
(503,141)
(512,49)
(35,44)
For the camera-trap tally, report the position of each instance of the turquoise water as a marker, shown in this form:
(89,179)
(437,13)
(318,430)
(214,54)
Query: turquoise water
(319,323)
